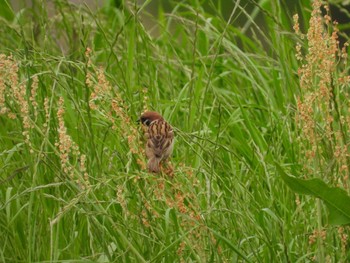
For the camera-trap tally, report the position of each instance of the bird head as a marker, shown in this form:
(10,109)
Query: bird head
(149,116)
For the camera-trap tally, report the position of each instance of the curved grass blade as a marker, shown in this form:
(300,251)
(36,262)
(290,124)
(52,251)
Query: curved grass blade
(335,198)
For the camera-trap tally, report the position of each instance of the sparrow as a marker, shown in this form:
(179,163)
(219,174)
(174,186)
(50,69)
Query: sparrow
(160,139)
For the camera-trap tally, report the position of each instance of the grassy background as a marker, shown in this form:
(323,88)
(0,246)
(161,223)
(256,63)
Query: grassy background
(228,90)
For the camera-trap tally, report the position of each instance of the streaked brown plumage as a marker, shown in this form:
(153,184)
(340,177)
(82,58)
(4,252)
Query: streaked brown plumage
(160,139)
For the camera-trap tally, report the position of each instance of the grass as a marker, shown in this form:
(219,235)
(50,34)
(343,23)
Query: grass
(229,91)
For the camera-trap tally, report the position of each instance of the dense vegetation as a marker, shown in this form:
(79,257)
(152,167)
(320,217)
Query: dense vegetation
(258,98)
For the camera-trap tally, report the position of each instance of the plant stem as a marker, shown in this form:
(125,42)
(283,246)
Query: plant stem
(320,253)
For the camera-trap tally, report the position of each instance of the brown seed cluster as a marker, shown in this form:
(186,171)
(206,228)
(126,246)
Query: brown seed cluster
(323,107)
(69,150)
(344,237)
(317,234)
(33,94)
(181,248)
(162,192)
(8,80)
(120,198)
(322,116)
(13,93)
(47,113)
(106,100)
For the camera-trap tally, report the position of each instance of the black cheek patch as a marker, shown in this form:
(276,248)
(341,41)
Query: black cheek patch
(145,121)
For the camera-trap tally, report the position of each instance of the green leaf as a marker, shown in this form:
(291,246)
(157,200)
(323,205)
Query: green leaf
(335,198)
(6,10)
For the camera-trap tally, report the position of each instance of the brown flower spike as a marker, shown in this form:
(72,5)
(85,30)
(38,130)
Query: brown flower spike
(160,139)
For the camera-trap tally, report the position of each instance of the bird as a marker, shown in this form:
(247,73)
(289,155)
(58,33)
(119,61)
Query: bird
(160,139)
